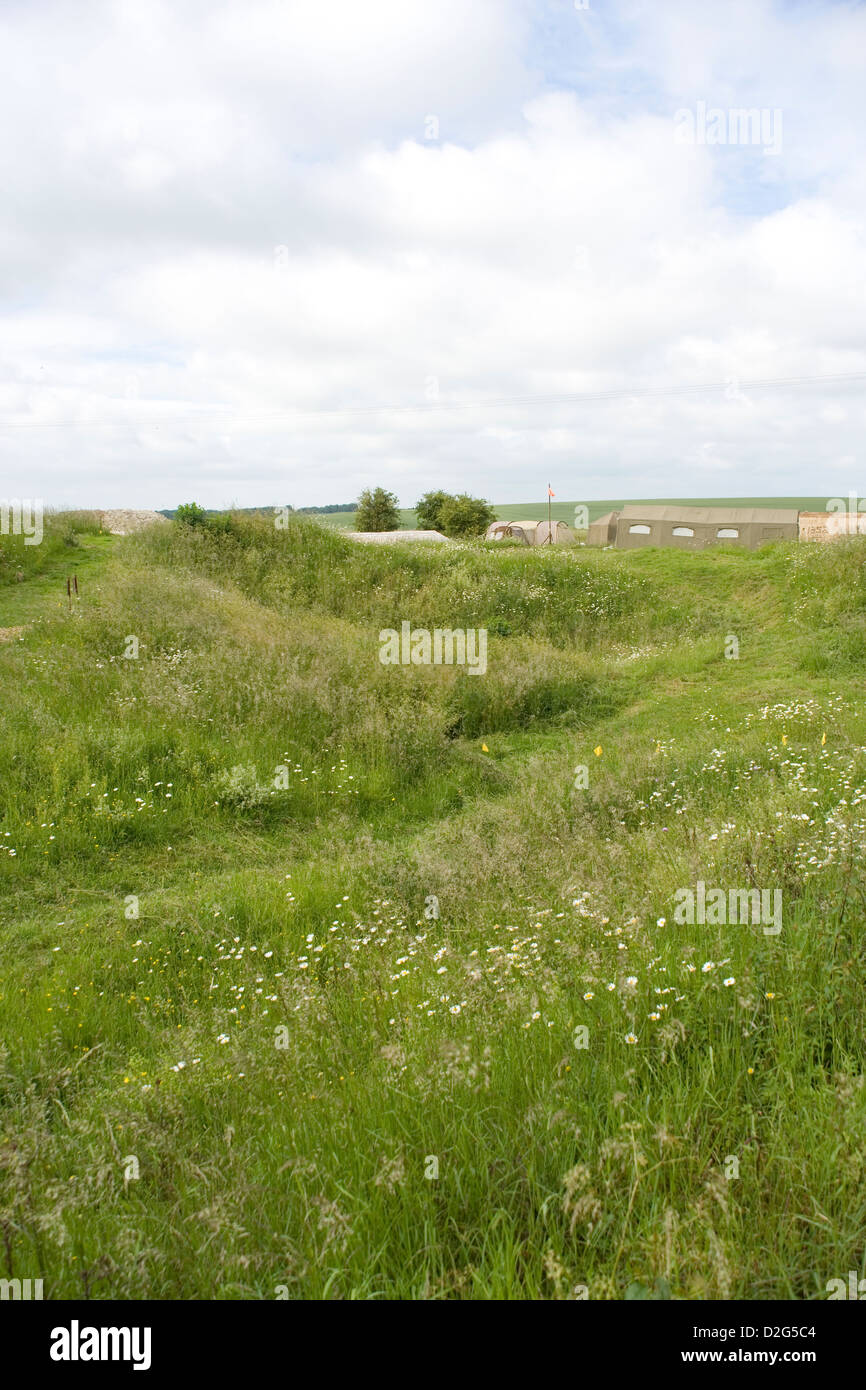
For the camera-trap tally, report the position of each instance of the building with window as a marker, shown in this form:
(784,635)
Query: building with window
(695,528)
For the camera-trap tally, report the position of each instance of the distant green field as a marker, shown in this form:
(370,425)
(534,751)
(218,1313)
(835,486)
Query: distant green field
(564,511)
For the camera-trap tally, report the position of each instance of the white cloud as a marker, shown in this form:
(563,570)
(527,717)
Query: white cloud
(227,245)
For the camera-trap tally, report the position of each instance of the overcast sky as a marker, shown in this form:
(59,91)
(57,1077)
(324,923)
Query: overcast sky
(258,252)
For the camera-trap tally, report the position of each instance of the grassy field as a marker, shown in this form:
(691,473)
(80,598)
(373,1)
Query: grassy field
(242,1057)
(564,511)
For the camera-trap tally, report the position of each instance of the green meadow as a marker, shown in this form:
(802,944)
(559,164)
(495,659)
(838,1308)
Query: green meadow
(325,979)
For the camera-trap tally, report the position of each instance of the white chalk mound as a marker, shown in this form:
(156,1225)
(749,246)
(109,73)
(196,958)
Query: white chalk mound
(389,537)
(122,521)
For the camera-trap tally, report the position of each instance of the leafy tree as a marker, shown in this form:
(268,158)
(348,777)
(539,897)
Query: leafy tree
(377,511)
(191,514)
(428,510)
(465,515)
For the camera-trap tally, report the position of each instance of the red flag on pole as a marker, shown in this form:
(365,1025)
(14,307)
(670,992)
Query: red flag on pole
(550,491)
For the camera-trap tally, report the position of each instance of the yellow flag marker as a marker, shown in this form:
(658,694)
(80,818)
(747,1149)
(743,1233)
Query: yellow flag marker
(597,751)
(484,748)
(823,739)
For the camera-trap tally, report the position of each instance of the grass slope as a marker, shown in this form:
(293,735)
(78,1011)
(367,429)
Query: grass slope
(242,1057)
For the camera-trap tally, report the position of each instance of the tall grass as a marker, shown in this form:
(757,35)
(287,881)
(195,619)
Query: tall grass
(243,1057)
(20,559)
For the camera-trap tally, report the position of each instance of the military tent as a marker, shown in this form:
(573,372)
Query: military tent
(531,532)
(695,528)
(602,531)
(507,531)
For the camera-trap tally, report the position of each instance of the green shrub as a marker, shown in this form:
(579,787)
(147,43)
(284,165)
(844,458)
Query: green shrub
(377,511)
(463,516)
(459,516)
(191,514)
(428,511)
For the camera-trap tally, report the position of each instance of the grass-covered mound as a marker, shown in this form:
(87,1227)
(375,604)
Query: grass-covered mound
(242,1056)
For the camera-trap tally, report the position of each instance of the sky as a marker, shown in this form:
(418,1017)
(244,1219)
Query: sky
(261,253)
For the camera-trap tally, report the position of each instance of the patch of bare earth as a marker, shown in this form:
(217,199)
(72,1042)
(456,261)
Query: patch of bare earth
(8,634)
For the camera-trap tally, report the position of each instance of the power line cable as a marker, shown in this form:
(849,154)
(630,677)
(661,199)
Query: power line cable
(576,398)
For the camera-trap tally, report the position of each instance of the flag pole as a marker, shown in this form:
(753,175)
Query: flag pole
(549,541)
